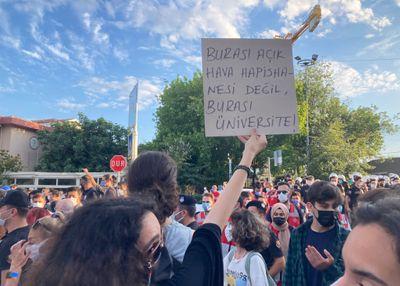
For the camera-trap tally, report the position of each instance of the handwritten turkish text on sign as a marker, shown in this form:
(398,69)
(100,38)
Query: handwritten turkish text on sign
(248,83)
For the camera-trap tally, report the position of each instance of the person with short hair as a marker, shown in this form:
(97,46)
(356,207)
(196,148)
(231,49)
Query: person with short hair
(244,265)
(296,216)
(13,211)
(355,191)
(65,206)
(372,250)
(122,190)
(309,180)
(207,202)
(75,194)
(107,183)
(246,198)
(314,257)
(186,212)
(53,196)
(90,191)
(38,200)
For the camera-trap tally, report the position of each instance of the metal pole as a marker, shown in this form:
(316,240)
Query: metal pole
(269,169)
(229,166)
(306,63)
(307,120)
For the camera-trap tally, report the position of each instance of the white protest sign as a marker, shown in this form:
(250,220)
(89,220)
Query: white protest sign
(248,83)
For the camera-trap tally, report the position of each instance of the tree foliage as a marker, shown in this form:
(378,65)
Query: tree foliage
(70,146)
(9,163)
(341,138)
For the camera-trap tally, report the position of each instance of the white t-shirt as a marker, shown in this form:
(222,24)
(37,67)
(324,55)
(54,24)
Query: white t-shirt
(235,272)
(177,239)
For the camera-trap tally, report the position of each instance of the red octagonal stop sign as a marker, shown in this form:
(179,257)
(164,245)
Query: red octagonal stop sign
(118,163)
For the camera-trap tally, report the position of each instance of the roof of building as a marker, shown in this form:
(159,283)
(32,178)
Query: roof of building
(385,166)
(22,123)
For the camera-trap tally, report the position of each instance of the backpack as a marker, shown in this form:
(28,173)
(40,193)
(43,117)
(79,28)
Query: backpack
(271,281)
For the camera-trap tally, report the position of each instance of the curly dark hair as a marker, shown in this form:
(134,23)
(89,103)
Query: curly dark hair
(152,179)
(97,246)
(248,231)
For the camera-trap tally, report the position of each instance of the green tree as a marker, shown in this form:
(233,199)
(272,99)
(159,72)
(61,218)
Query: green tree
(341,138)
(8,163)
(71,146)
(180,132)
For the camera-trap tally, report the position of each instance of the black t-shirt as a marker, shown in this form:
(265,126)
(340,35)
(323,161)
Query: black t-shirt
(353,194)
(9,240)
(202,264)
(90,195)
(193,225)
(321,241)
(304,191)
(272,252)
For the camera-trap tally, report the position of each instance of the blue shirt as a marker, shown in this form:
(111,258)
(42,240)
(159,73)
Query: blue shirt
(321,241)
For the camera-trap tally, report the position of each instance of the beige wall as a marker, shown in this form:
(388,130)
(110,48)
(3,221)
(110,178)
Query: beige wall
(16,141)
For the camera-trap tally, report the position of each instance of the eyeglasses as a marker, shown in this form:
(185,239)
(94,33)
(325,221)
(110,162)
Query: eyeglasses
(153,254)
(39,223)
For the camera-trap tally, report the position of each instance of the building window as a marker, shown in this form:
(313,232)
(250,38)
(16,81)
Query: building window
(25,181)
(47,182)
(67,182)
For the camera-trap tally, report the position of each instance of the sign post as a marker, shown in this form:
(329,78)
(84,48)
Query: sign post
(248,83)
(117,164)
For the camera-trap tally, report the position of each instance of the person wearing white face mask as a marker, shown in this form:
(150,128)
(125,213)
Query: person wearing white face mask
(296,216)
(38,201)
(13,211)
(24,253)
(186,212)
(75,195)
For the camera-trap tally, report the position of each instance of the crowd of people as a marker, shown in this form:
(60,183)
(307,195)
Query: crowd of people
(142,231)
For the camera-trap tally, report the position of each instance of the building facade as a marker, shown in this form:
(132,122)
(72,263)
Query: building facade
(19,137)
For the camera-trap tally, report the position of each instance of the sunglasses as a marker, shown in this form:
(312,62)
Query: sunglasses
(154,252)
(39,223)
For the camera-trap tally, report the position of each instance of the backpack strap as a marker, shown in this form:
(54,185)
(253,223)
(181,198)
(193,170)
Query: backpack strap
(231,254)
(247,263)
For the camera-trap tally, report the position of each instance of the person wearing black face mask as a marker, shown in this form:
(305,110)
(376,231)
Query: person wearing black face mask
(314,257)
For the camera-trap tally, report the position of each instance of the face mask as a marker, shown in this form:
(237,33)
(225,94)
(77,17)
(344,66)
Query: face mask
(279,220)
(176,217)
(258,194)
(340,208)
(326,218)
(206,206)
(283,198)
(228,232)
(37,205)
(373,186)
(102,184)
(2,219)
(296,202)
(33,250)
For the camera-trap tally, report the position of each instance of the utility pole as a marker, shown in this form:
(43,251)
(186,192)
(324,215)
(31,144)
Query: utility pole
(306,63)
(229,166)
